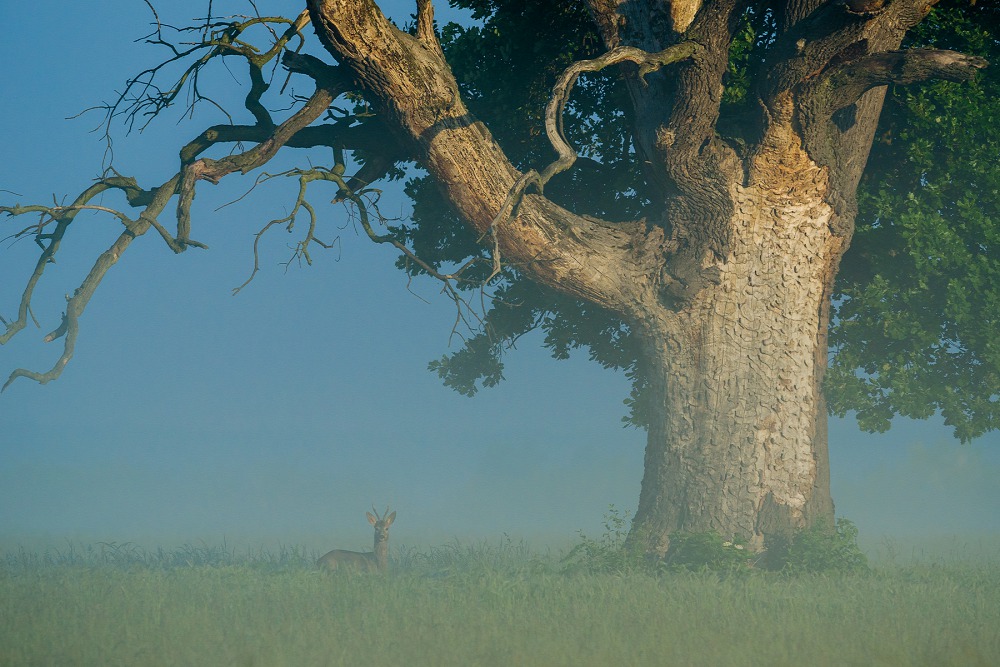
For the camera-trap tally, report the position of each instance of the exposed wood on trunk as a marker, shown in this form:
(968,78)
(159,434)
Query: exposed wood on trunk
(733,448)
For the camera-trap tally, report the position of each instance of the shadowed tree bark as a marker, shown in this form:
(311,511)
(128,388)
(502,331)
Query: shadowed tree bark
(725,282)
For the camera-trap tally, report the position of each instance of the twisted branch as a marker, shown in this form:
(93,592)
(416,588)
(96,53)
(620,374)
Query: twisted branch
(75,305)
(554,111)
(842,86)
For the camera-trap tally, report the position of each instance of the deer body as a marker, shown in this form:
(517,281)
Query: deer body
(377,560)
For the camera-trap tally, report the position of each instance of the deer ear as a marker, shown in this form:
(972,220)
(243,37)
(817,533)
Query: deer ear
(371,518)
(389,519)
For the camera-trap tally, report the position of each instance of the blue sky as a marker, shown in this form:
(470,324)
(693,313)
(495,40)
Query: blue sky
(281,414)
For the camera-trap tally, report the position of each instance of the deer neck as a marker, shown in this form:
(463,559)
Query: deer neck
(381,553)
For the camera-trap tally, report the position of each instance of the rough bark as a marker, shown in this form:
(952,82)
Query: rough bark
(736,445)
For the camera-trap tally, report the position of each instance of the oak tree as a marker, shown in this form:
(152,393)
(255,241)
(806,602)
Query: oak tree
(671,184)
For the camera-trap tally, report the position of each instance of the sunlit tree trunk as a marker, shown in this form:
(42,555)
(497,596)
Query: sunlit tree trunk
(737,436)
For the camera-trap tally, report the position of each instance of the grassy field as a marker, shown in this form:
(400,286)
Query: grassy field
(481,605)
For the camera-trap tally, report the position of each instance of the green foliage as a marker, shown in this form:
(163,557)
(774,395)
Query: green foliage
(755,33)
(706,551)
(521,306)
(813,550)
(610,553)
(818,549)
(917,302)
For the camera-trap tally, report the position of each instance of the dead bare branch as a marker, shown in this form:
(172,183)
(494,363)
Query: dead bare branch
(77,303)
(144,98)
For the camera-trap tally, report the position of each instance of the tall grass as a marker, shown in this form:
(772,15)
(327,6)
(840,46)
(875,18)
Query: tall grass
(480,604)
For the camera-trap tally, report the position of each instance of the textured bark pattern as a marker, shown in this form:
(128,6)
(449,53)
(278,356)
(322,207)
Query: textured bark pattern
(683,12)
(734,449)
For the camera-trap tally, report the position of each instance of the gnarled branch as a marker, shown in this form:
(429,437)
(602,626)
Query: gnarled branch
(77,303)
(554,110)
(842,86)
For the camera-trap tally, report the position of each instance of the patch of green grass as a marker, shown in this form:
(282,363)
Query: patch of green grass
(482,604)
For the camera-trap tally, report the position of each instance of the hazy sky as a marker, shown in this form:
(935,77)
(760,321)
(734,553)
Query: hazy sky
(281,414)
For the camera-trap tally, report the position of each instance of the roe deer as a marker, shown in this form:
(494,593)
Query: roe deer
(366,562)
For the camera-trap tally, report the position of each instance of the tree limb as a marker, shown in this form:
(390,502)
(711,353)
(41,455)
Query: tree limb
(327,90)
(413,87)
(834,33)
(77,303)
(152,202)
(842,86)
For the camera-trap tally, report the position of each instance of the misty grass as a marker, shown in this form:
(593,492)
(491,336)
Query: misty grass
(481,605)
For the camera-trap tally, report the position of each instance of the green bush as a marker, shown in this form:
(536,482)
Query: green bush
(818,549)
(610,553)
(706,551)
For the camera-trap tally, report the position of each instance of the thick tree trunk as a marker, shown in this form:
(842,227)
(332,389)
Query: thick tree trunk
(737,438)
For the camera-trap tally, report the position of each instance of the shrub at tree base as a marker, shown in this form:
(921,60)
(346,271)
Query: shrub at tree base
(821,548)
(611,553)
(818,549)
(706,551)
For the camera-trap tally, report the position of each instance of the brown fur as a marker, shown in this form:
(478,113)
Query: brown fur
(374,561)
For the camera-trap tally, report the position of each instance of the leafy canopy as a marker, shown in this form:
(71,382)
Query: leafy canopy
(916,306)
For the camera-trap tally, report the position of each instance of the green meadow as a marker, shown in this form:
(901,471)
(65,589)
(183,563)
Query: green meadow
(482,605)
